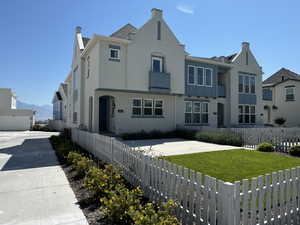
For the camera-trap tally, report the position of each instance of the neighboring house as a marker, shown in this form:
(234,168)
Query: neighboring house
(12,118)
(143,79)
(281,97)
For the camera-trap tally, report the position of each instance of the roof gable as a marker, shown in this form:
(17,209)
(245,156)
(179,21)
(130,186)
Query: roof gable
(124,32)
(282,75)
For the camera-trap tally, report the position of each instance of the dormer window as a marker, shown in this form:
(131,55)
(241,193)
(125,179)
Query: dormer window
(157,64)
(114,53)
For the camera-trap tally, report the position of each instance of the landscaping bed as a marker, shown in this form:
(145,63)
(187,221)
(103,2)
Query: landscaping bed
(235,165)
(103,194)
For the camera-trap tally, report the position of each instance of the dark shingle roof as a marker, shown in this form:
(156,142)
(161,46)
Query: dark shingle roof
(281,75)
(226,59)
(124,31)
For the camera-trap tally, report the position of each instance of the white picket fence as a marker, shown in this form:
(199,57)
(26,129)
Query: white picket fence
(203,200)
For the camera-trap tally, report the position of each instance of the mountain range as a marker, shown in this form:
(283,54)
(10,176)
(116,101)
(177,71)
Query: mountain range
(43,112)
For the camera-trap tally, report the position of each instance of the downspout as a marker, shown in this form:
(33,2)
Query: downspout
(175,118)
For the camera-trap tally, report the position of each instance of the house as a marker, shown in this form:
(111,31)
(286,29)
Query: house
(281,97)
(12,118)
(143,79)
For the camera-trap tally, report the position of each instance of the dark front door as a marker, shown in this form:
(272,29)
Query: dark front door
(220,115)
(103,113)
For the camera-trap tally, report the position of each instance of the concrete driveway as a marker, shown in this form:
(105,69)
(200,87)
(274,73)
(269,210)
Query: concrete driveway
(33,187)
(176,146)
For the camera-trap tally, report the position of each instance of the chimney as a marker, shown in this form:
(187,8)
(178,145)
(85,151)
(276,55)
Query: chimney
(156,12)
(245,45)
(78,29)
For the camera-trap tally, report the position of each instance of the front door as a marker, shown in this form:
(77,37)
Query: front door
(220,115)
(103,113)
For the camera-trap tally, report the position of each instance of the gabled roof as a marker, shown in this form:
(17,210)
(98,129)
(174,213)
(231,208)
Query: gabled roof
(225,59)
(124,31)
(282,75)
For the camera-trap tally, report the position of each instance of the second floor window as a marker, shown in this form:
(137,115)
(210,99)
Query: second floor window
(247,84)
(199,76)
(157,64)
(290,94)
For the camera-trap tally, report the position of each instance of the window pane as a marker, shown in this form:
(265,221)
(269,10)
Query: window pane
(200,76)
(196,118)
(158,112)
(196,107)
(247,118)
(191,77)
(114,54)
(241,119)
(208,75)
(137,102)
(156,64)
(136,111)
(188,117)
(148,103)
(252,82)
(205,107)
(188,107)
(241,86)
(253,118)
(252,110)
(247,84)
(148,111)
(204,118)
(240,109)
(247,109)
(158,103)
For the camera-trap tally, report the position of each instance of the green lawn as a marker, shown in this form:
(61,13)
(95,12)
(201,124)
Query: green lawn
(234,165)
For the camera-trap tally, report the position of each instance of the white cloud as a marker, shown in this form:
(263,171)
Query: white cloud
(185,9)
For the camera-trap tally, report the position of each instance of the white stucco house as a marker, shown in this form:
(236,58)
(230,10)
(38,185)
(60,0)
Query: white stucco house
(281,97)
(12,118)
(143,79)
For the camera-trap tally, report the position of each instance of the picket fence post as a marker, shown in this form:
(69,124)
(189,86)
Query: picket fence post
(228,204)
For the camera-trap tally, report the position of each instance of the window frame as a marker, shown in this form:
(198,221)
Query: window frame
(140,107)
(193,112)
(154,107)
(160,59)
(244,84)
(196,76)
(243,114)
(114,49)
(211,77)
(286,94)
(188,75)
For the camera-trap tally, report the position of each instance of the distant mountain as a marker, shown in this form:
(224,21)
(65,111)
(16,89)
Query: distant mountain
(43,112)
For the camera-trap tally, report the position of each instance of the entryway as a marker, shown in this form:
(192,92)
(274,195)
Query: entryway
(106,113)
(220,115)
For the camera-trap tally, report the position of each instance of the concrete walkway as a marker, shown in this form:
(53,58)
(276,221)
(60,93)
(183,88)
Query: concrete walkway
(176,146)
(33,187)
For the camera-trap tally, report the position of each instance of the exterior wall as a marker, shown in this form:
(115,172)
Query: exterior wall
(283,108)
(5,99)
(124,122)
(15,123)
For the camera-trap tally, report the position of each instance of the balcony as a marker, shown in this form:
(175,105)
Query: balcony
(159,82)
(221,91)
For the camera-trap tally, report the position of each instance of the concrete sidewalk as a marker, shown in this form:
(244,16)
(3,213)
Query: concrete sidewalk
(33,187)
(176,146)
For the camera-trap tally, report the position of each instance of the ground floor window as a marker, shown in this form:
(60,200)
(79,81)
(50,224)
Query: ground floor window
(147,107)
(247,114)
(196,112)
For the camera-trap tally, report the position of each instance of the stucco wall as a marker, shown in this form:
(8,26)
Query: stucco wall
(15,123)
(5,99)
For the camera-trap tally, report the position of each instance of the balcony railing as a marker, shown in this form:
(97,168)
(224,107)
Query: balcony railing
(221,91)
(159,82)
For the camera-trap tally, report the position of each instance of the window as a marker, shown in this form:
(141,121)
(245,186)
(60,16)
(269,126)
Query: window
(196,112)
(247,114)
(114,53)
(252,85)
(208,77)
(158,107)
(148,107)
(74,117)
(200,76)
(289,94)
(158,30)
(137,107)
(157,64)
(241,83)
(191,75)
(247,84)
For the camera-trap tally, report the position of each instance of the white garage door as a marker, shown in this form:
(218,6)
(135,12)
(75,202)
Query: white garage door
(15,123)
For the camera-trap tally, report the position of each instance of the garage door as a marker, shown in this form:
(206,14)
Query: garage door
(15,123)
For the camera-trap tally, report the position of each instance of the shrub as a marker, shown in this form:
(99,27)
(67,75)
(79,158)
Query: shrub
(83,165)
(280,121)
(101,181)
(118,202)
(219,137)
(152,215)
(295,150)
(265,147)
(73,157)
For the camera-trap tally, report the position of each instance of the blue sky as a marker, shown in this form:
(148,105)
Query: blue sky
(37,36)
